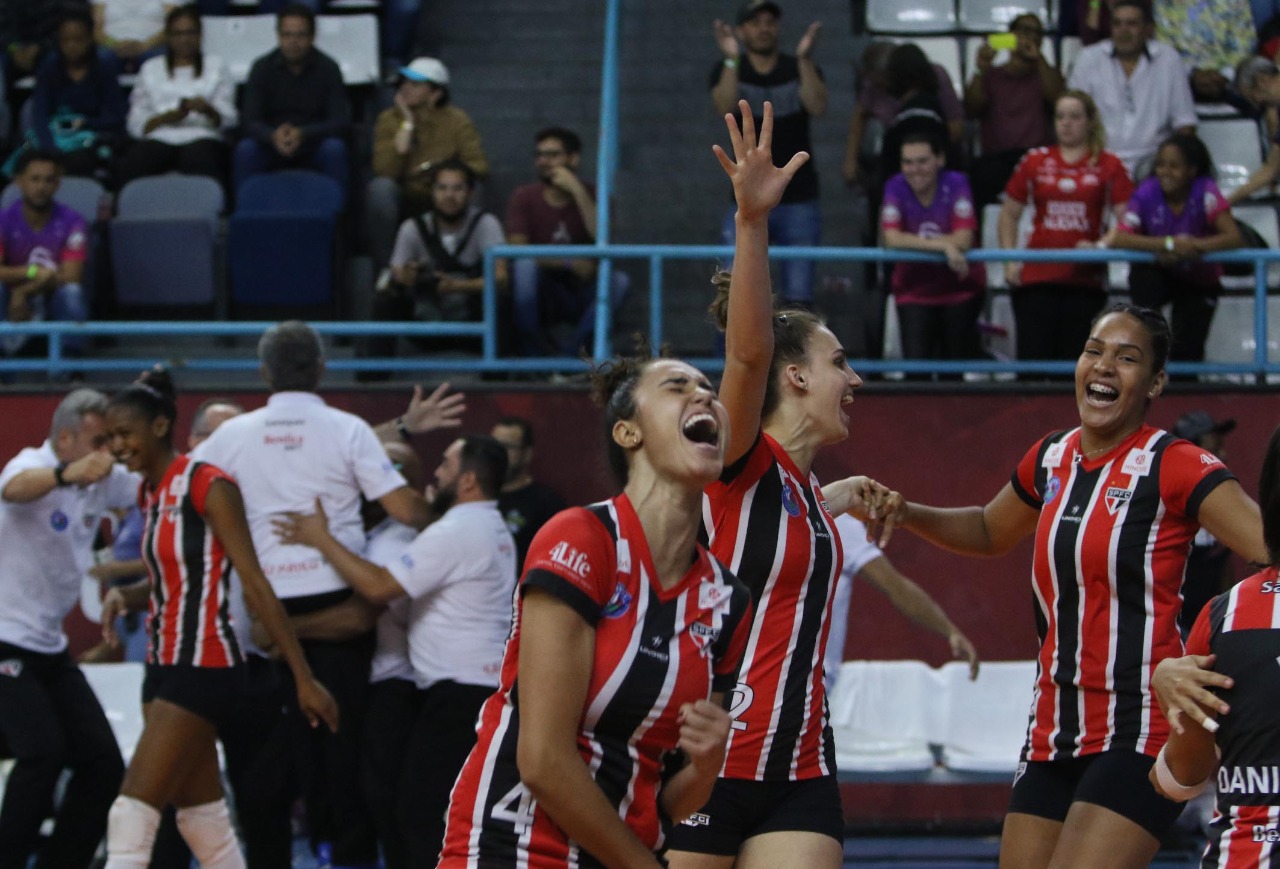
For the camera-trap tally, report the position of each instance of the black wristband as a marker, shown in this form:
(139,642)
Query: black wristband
(57,474)
(403,430)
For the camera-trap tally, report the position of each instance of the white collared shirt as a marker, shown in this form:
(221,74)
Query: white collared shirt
(286,455)
(460,575)
(1140,110)
(156,91)
(386,543)
(46,547)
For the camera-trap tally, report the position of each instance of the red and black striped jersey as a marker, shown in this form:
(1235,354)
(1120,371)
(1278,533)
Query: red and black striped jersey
(1111,549)
(189,622)
(769,523)
(1242,629)
(655,650)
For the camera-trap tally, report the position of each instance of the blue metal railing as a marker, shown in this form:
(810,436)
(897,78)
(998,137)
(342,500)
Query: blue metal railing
(606,169)
(656,257)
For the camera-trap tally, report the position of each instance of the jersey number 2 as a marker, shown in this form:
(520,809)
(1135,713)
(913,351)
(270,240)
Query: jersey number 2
(740,701)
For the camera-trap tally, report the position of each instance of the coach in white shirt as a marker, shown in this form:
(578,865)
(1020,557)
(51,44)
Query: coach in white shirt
(1139,85)
(288,456)
(51,500)
(459,576)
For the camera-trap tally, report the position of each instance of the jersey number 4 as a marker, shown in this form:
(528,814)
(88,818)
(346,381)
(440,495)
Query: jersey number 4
(516,808)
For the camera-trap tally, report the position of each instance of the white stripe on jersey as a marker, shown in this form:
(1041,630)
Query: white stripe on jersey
(1149,604)
(819,647)
(1051,612)
(1113,594)
(483,788)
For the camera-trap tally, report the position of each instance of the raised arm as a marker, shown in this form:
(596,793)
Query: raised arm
(986,531)
(557,648)
(757,186)
(1234,518)
(439,410)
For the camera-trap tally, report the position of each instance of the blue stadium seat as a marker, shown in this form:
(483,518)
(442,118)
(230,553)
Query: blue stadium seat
(280,240)
(163,241)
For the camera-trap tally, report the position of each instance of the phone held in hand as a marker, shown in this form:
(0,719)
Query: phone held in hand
(1002,41)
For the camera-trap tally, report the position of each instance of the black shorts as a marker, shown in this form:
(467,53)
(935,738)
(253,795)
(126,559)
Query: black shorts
(1116,780)
(217,694)
(740,809)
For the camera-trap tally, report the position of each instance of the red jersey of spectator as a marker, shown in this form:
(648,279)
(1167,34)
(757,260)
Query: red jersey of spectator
(1111,548)
(1069,201)
(189,622)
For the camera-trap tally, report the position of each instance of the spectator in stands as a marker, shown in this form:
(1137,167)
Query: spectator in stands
(1179,214)
(181,107)
(437,267)
(1069,185)
(910,80)
(559,208)
(1139,86)
(1212,37)
(458,576)
(753,69)
(295,106)
(77,106)
(29,33)
(1258,80)
(420,131)
(926,207)
(133,29)
(43,245)
(525,504)
(875,105)
(1014,102)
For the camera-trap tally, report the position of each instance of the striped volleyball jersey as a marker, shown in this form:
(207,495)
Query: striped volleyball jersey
(1111,549)
(655,650)
(1242,628)
(188,622)
(769,523)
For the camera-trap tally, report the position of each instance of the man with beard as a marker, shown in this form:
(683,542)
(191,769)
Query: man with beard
(43,245)
(753,69)
(458,576)
(437,265)
(559,208)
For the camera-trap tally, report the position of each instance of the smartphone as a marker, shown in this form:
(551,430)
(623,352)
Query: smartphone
(1002,41)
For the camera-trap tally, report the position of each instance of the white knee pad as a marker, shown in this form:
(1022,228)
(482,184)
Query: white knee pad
(207,829)
(131,831)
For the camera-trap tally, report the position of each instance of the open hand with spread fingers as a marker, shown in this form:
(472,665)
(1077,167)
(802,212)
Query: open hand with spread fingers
(757,183)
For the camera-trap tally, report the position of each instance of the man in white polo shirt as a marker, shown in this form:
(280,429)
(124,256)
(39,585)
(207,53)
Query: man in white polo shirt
(51,500)
(287,456)
(459,575)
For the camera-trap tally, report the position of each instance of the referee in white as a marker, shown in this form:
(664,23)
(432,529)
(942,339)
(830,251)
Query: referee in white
(51,500)
(285,456)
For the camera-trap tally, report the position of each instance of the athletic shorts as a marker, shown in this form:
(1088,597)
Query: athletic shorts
(740,809)
(1116,780)
(216,694)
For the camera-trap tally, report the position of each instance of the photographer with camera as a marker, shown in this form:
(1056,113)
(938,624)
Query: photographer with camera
(437,264)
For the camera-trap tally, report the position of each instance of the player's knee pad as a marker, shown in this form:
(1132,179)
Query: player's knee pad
(131,831)
(207,829)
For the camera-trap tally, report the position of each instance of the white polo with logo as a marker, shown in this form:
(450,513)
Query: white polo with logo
(46,547)
(460,574)
(286,455)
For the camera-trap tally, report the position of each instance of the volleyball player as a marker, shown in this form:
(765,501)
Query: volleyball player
(786,383)
(195,530)
(1114,504)
(1237,635)
(627,634)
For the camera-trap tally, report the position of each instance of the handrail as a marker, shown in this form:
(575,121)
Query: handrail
(606,169)
(656,256)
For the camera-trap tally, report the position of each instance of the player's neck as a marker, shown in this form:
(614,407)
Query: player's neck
(670,514)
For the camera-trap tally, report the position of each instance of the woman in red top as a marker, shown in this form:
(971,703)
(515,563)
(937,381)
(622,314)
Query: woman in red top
(786,384)
(1070,185)
(195,531)
(1114,504)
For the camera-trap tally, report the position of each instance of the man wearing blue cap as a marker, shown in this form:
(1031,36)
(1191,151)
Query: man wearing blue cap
(421,130)
(296,114)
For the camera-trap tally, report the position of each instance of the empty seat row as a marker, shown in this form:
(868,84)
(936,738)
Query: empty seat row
(351,40)
(944,16)
(907,717)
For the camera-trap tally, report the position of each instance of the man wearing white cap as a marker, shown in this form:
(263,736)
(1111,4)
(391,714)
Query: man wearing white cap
(422,129)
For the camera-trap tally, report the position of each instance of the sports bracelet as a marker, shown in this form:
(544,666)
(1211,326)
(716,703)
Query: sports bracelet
(32,271)
(731,62)
(1168,242)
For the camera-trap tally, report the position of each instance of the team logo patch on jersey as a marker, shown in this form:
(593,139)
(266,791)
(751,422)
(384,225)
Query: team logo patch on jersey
(789,502)
(1116,498)
(1067,185)
(1053,456)
(618,604)
(703,636)
(570,558)
(11,668)
(1138,463)
(1021,771)
(1051,489)
(714,595)
(58,520)
(1207,459)
(697,819)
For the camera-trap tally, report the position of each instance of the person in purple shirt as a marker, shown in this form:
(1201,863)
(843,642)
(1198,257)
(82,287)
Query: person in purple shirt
(42,251)
(929,209)
(1179,214)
